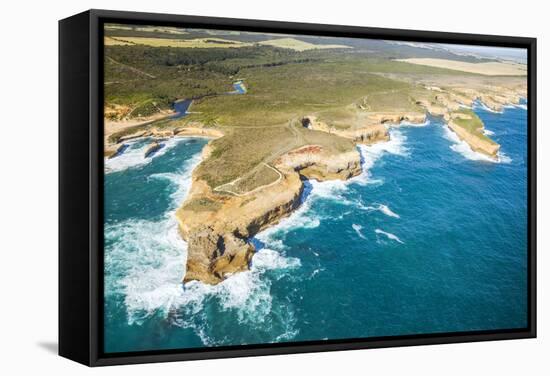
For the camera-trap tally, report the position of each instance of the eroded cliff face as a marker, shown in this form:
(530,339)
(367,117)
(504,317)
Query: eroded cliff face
(447,103)
(364,134)
(370,128)
(217,226)
(477,144)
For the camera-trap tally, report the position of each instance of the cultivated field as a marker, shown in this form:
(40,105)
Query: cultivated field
(298,45)
(484,68)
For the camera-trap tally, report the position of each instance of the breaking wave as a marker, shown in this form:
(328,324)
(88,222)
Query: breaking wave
(380,207)
(145,263)
(357,228)
(405,123)
(389,235)
(371,153)
(466,151)
(483,106)
(134,154)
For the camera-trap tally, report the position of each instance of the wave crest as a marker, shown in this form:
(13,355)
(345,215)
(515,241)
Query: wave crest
(389,235)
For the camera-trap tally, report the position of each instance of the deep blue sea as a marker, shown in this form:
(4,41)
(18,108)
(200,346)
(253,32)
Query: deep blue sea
(431,238)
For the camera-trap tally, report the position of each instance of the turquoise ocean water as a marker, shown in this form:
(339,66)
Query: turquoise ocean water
(431,238)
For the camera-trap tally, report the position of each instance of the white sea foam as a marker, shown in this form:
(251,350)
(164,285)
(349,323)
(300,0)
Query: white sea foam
(357,228)
(300,218)
(380,207)
(146,263)
(386,210)
(134,155)
(479,104)
(371,153)
(405,123)
(466,151)
(522,106)
(315,272)
(388,235)
(181,180)
(488,132)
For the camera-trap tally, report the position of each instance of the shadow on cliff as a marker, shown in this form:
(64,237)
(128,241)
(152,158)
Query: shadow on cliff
(306,192)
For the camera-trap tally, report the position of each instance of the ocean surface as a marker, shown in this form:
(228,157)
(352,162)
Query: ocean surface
(431,238)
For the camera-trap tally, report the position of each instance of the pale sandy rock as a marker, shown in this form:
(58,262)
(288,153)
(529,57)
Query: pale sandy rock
(477,144)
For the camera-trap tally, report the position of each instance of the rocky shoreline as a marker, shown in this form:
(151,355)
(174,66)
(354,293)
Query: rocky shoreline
(217,225)
(469,128)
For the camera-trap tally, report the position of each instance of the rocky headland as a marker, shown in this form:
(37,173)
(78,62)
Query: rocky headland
(217,226)
(450,103)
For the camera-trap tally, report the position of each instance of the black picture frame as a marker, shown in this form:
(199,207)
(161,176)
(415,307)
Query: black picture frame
(81,186)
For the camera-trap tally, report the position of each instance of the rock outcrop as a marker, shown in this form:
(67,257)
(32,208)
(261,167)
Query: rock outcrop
(152,148)
(364,134)
(370,128)
(476,143)
(449,103)
(217,226)
(112,151)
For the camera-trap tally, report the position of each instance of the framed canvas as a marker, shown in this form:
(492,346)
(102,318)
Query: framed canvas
(236,187)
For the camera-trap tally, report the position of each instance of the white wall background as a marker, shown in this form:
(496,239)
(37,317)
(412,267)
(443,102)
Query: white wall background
(28,199)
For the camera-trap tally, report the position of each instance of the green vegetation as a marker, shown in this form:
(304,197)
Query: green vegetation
(202,204)
(280,93)
(260,176)
(468,119)
(338,86)
(241,150)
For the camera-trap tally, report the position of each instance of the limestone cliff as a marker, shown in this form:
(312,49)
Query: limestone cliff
(449,104)
(364,134)
(217,226)
(477,143)
(369,128)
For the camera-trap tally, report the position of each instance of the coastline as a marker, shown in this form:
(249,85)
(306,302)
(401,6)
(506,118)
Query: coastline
(218,228)
(278,259)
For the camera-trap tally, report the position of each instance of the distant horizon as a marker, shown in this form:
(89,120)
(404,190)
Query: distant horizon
(505,53)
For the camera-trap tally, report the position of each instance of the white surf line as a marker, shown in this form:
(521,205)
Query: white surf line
(389,235)
(386,210)
(220,189)
(358,229)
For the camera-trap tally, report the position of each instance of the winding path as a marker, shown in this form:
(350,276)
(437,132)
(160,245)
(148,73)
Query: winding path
(298,140)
